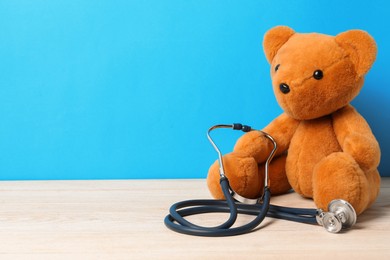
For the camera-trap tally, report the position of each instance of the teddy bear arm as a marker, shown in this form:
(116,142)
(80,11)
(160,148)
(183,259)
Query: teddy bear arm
(256,145)
(356,138)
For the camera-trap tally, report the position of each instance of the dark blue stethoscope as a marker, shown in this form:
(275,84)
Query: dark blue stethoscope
(340,214)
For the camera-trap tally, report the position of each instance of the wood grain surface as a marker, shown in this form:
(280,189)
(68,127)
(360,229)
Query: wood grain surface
(123,219)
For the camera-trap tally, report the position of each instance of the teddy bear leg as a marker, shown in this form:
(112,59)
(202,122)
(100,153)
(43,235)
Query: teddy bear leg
(242,173)
(246,177)
(278,182)
(338,176)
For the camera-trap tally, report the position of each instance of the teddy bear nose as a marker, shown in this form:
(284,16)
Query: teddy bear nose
(284,88)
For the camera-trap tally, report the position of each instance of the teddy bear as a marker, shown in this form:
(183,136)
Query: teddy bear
(326,149)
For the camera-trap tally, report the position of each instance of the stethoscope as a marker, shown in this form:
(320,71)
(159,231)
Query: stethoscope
(340,214)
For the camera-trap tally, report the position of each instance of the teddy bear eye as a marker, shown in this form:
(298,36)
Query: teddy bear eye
(318,74)
(277,67)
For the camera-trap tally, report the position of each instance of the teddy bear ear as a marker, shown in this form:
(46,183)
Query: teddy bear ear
(361,48)
(274,39)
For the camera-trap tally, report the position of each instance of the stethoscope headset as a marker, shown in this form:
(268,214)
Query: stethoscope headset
(340,214)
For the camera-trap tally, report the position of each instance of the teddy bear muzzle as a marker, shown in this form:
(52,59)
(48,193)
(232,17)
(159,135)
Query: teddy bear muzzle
(284,88)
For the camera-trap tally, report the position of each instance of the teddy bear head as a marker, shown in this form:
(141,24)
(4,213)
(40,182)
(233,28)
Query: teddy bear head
(313,74)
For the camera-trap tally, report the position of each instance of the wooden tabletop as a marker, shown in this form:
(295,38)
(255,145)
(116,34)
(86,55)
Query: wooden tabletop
(123,219)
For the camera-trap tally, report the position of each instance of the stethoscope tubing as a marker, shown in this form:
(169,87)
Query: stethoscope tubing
(216,231)
(176,219)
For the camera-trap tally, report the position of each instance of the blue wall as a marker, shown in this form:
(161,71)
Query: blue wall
(127,89)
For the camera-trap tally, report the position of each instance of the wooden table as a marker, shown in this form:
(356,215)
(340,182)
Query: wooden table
(123,219)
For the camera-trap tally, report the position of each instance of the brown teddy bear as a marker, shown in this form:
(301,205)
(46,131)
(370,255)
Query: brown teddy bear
(326,149)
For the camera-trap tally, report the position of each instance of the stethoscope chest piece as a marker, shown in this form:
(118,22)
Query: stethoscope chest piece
(340,215)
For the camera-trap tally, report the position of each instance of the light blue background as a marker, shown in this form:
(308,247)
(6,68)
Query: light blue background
(127,89)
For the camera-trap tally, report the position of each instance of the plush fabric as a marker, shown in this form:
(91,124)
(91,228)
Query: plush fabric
(326,149)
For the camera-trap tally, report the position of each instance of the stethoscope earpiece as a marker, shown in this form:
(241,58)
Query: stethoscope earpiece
(340,215)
